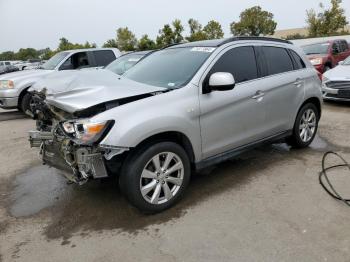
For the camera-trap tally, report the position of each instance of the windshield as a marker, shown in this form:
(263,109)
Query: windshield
(54,61)
(316,49)
(124,63)
(170,68)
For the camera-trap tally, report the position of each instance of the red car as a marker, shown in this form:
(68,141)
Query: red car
(327,55)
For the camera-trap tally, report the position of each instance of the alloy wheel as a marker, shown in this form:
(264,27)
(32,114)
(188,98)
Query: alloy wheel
(307,126)
(162,178)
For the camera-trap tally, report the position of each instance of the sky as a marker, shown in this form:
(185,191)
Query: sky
(40,23)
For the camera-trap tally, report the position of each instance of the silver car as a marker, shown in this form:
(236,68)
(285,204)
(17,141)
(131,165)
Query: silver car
(14,86)
(180,109)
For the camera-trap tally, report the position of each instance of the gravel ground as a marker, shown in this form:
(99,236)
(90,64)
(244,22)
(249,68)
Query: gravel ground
(266,205)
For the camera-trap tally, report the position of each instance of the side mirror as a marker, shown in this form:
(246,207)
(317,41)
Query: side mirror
(220,81)
(341,63)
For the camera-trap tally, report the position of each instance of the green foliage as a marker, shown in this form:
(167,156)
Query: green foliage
(169,35)
(64,45)
(8,55)
(27,53)
(327,22)
(213,30)
(111,43)
(126,40)
(295,36)
(196,31)
(254,22)
(145,43)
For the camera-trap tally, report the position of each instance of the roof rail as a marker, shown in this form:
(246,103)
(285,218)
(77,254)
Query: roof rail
(258,38)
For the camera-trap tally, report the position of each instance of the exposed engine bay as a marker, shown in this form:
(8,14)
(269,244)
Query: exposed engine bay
(63,140)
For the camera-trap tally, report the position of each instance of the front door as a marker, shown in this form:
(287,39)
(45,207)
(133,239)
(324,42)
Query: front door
(230,119)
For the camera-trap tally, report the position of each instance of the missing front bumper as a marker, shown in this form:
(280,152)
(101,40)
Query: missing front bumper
(82,162)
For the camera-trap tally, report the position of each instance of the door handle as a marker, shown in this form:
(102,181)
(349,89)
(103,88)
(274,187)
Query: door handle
(258,94)
(298,82)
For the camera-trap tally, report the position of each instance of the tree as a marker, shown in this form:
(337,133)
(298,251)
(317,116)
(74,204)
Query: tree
(170,35)
(126,40)
(27,53)
(196,31)
(254,22)
(145,43)
(213,30)
(111,43)
(295,36)
(328,22)
(8,55)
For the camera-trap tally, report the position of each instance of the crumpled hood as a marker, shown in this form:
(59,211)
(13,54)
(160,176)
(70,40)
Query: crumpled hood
(21,75)
(339,73)
(73,91)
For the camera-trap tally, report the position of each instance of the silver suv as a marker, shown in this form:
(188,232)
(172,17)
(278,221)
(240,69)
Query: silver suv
(180,109)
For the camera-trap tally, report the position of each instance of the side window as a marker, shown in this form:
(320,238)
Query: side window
(335,48)
(104,57)
(76,61)
(7,63)
(277,60)
(240,62)
(299,63)
(345,46)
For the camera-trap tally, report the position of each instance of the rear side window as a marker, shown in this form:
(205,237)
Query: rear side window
(299,63)
(240,62)
(104,57)
(277,59)
(345,46)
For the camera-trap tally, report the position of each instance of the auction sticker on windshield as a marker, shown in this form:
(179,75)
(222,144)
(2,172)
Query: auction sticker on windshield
(203,49)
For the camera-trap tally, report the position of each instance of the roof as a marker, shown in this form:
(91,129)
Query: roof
(220,42)
(89,49)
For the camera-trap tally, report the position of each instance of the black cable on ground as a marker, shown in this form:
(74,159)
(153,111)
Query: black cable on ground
(323,177)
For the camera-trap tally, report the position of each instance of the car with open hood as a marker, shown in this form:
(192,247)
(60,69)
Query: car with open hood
(336,82)
(180,109)
(14,86)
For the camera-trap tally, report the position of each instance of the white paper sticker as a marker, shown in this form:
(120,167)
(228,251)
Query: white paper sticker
(203,49)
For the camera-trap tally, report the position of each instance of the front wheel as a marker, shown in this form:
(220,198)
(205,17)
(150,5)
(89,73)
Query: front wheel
(305,127)
(25,102)
(155,177)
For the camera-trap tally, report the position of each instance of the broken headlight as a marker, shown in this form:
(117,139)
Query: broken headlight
(84,131)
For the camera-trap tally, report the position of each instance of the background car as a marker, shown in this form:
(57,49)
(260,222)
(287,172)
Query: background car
(14,86)
(336,82)
(326,55)
(125,62)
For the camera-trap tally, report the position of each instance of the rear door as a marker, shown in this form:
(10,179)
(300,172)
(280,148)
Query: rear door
(103,57)
(230,119)
(285,74)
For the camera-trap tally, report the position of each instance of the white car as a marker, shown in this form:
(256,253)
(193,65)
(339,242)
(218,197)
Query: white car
(336,82)
(14,86)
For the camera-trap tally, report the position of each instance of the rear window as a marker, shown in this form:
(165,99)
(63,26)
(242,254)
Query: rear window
(104,57)
(278,60)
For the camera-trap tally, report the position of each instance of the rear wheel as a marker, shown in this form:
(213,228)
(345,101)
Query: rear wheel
(154,178)
(305,127)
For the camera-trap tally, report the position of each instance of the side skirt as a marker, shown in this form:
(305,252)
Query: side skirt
(239,150)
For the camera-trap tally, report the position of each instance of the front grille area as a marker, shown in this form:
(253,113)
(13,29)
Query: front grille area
(338,84)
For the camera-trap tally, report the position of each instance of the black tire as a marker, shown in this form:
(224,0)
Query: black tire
(25,102)
(129,180)
(295,140)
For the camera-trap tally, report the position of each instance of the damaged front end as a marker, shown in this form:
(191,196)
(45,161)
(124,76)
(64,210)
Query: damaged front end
(70,143)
